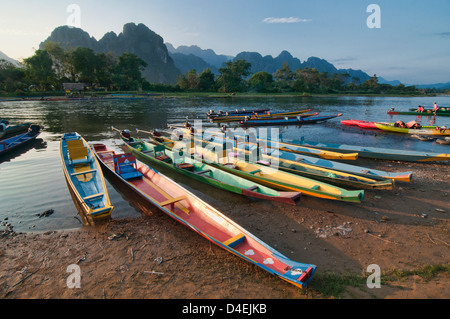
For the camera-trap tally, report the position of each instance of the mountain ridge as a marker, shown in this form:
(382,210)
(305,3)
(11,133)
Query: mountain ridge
(166,63)
(137,39)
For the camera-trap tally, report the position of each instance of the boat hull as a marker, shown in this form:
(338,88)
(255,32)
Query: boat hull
(425,113)
(208,174)
(288,121)
(15,142)
(379,153)
(183,206)
(436,131)
(85,180)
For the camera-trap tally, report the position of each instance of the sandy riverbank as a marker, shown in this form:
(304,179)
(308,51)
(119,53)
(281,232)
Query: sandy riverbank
(154,257)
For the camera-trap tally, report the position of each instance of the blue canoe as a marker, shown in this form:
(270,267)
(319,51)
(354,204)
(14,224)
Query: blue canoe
(299,120)
(85,179)
(19,140)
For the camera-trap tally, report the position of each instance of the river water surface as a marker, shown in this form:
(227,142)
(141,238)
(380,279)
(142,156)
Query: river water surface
(32,179)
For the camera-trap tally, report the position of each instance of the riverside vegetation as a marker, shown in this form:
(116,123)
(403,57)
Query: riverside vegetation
(52,66)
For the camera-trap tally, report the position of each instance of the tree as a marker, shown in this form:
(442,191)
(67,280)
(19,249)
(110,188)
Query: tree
(11,78)
(39,71)
(231,76)
(189,81)
(207,81)
(128,72)
(84,62)
(261,82)
(60,59)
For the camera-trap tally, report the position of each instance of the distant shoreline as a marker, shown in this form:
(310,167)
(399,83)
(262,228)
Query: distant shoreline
(86,95)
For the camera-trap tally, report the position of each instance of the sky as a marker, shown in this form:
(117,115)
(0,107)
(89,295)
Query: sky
(405,40)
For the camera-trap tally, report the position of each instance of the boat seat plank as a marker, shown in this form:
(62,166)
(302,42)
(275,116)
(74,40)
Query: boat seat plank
(255,171)
(235,241)
(315,187)
(84,172)
(172,201)
(166,195)
(91,197)
(252,188)
(203,172)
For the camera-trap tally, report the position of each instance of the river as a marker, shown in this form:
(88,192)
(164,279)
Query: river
(32,180)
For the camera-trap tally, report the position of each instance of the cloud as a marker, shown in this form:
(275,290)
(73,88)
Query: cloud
(285,20)
(345,59)
(443,34)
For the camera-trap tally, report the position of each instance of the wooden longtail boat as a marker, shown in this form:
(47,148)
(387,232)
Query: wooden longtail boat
(85,179)
(270,176)
(244,112)
(268,115)
(372,125)
(433,131)
(256,154)
(157,154)
(360,123)
(288,121)
(378,153)
(354,169)
(12,130)
(283,146)
(441,109)
(440,112)
(286,181)
(199,216)
(17,141)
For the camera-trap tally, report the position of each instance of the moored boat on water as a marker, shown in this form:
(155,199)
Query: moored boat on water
(377,152)
(266,115)
(433,131)
(7,130)
(9,144)
(186,208)
(244,112)
(157,154)
(440,112)
(354,169)
(264,142)
(280,159)
(299,120)
(85,179)
(269,176)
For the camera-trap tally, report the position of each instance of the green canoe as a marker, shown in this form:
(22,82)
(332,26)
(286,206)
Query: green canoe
(154,154)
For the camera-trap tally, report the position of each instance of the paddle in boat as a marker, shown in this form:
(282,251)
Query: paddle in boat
(179,162)
(186,208)
(85,179)
(9,144)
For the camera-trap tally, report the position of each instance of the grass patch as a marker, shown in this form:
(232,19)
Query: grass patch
(335,285)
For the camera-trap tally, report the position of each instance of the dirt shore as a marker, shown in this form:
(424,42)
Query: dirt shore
(154,257)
